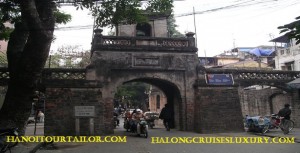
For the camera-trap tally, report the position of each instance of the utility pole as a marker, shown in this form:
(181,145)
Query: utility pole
(195,26)
(205,58)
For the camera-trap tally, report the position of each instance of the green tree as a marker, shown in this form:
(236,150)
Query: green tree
(133,94)
(27,51)
(30,41)
(114,12)
(172,27)
(69,57)
(292,30)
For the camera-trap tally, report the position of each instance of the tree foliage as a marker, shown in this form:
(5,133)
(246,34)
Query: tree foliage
(28,48)
(29,43)
(173,32)
(133,94)
(114,12)
(292,30)
(69,57)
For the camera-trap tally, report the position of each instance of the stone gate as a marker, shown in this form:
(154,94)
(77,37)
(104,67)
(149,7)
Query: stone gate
(83,104)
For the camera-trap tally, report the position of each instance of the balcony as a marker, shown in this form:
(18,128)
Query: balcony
(143,44)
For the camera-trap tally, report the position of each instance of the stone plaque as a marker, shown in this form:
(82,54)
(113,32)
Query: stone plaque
(84,111)
(146,61)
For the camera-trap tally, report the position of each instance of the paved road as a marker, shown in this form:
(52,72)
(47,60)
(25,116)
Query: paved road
(136,144)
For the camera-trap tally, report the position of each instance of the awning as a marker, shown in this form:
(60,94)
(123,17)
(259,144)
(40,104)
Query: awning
(281,39)
(261,52)
(289,61)
(294,84)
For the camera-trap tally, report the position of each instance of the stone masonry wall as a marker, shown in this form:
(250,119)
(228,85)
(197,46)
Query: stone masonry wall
(60,112)
(263,102)
(217,110)
(296,108)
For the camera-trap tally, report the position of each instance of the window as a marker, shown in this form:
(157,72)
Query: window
(158,101)
(143,29)
(289,66)
(288,51)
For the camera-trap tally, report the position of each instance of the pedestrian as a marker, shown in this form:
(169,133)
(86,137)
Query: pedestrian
(41,116)
(166,116)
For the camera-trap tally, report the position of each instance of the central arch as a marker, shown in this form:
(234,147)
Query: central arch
(172,93)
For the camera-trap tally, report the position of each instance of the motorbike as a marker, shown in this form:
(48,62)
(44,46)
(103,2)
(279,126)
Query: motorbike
(143,128)
(116,121)
(6,146)
(151,123)
(257,124)
(127,124)
(150,118)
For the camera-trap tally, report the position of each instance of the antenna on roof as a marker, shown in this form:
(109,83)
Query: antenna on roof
(233,40)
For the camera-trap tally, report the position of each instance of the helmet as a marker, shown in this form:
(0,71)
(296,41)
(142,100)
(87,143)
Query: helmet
(287,105)
(138,110)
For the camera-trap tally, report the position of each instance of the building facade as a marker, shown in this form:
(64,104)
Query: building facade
(157,99)
(287,54)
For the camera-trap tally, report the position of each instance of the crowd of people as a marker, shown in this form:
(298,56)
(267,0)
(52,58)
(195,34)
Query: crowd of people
(132,118)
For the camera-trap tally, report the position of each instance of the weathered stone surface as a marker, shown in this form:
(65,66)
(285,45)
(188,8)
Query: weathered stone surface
(217,110)
(60,113)
(173,73)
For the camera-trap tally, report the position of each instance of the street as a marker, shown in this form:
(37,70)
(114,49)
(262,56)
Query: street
(137,144)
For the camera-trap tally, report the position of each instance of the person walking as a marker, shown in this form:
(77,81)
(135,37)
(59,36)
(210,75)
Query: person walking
(166,116)
(41,116)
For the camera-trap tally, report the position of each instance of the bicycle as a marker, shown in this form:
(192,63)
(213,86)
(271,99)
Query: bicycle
(279,122)
(6,146)
(286,125)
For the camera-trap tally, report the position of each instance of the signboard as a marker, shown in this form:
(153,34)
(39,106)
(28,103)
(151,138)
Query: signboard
(84,111)
(219,79)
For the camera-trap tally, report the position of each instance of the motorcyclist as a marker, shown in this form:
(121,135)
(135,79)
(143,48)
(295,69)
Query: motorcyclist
(136,117)
(127,119)
(116,117)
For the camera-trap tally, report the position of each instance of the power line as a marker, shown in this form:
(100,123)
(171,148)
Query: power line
(242,4)
(238,5)
(75,27)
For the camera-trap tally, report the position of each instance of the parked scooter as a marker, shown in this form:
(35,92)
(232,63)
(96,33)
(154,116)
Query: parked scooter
(150,118)
(6,146)
(151,123)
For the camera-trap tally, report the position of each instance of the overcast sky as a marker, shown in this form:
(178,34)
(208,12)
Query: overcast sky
(220,24)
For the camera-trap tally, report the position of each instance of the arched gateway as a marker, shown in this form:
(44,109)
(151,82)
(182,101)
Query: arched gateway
(168,64)
(83,105)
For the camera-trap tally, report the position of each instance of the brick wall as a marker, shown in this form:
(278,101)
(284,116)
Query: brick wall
(296,108)
(217,110)
(263,102)
(60,113)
